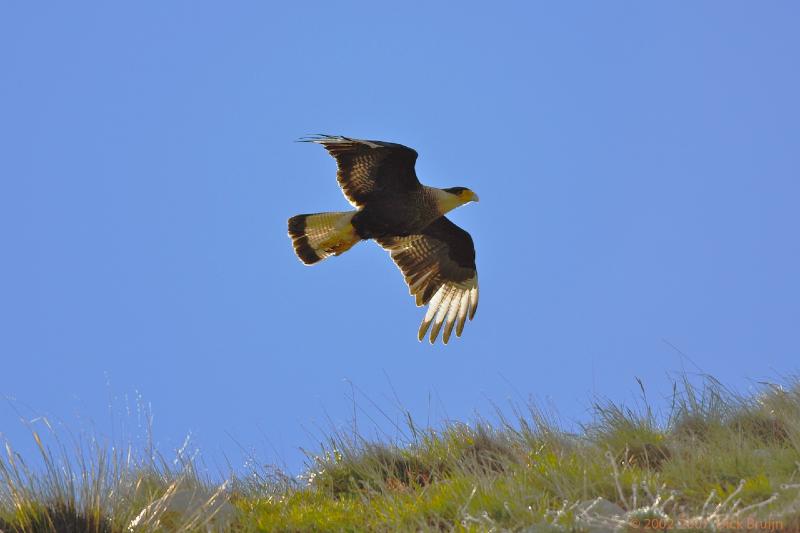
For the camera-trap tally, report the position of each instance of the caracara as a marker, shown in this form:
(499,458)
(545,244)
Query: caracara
(436,257)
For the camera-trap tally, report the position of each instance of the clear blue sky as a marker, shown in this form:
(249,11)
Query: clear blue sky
(638,166)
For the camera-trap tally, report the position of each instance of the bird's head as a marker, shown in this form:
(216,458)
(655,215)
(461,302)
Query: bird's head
(453,197)
(463,194)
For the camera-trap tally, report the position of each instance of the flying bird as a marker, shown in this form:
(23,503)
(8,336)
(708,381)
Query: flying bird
(406,218)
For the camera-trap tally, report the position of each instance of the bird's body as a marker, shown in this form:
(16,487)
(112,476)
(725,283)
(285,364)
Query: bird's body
(406,218)
(401,214)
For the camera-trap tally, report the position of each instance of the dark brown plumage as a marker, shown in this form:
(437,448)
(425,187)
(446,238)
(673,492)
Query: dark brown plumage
(436,257)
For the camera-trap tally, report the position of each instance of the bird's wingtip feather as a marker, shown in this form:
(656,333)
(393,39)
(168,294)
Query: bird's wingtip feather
(317,138)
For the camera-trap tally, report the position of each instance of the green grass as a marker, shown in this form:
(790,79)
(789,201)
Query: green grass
(715,460)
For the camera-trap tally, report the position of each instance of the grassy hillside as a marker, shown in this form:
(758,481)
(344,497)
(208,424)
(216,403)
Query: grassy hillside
(716,461)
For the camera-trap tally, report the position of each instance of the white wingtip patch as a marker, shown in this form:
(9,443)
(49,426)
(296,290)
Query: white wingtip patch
(463,310)
(433,305)
(450,307)
(452,312)
(441,313)
(473,300)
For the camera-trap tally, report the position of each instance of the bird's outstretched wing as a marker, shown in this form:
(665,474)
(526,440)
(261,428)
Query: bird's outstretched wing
(367,169)
(439,267)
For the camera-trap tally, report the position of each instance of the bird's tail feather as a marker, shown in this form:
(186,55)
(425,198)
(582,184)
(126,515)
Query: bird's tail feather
(320,235)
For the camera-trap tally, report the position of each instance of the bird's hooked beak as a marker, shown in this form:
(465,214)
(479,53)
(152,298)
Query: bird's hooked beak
(468,196)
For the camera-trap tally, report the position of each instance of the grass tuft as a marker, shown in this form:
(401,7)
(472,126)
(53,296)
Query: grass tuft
(716,460)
